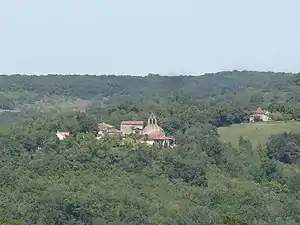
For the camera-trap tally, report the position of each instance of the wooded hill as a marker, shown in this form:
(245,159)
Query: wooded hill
(256,87)
(82,180)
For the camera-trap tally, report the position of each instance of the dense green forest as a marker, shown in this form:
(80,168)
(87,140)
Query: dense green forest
(82,180)
(277,92)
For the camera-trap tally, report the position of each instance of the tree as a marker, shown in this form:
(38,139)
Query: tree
(284,147)
(5,103)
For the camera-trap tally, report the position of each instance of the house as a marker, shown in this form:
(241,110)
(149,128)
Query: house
(104,127)
(131,127)
(259,114)
(114,132)
(62,135)
(107,129)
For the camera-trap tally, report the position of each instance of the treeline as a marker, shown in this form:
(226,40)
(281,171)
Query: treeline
(174,113)
(245,87)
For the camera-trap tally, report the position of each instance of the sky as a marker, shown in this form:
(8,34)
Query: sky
(136,37)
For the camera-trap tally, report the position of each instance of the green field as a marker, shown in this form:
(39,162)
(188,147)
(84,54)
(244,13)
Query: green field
(257,133)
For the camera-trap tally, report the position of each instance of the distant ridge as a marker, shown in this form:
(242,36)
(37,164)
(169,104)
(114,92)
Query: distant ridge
(169,74)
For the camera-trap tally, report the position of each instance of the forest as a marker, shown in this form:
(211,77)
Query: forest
(204,180)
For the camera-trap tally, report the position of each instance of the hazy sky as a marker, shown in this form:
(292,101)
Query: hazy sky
(141,36)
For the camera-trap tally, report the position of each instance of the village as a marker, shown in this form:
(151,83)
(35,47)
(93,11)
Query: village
(152,134)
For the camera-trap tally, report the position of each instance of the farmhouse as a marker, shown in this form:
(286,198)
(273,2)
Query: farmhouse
(259,114)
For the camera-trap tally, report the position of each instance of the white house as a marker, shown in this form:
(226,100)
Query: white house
(62,135)
(259,114)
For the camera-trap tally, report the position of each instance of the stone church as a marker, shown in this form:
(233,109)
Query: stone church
(152,133)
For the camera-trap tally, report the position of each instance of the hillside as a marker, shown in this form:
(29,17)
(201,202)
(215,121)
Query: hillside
(277,92)
(83,180)
(257,133)
(255,87)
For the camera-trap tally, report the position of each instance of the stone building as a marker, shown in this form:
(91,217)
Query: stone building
(107,129)
(152,127)
(114,132)
(152,134)
(104,127)
(155,135)
(131,127)
(259,114)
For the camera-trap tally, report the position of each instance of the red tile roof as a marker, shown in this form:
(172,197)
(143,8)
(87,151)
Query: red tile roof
(158,138)
(132,123)
(259,111)
(64,133)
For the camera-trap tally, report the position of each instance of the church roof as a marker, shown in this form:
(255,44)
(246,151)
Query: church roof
(64,133)
(153,129)
(259,110)
(158,138)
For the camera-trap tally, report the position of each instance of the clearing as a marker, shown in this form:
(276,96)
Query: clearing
(257,133)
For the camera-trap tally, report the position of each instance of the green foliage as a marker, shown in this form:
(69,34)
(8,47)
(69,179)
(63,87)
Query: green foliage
(85,181)
(6,221)
(5,103)
(233,221)
(284,147)
(245,89)
(82,180)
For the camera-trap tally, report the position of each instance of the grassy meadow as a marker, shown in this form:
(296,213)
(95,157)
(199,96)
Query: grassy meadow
(257,133)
